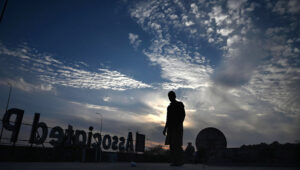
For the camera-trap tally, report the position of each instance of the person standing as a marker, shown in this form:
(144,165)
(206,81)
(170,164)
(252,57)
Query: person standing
(189,153)
(174,129)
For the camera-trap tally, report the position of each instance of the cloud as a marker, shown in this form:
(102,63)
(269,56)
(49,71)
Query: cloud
(239,61)
(55,72)
(217,15)
(293,6)
(225,32)
(95,107)
(174,55)
(244,82)
(235,4)
(106,99)
(235,113)
(273,83)
(21,84)
(103,79)
(290,6)
(134,40)
(179,67)
(250,87)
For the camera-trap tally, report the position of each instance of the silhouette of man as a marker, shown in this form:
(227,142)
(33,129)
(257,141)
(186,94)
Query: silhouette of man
(174,129)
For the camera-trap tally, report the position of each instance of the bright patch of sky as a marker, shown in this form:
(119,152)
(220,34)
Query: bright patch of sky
(234,64)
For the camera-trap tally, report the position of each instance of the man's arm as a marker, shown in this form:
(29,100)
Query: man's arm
(165,130)
(167,122)
(183,112)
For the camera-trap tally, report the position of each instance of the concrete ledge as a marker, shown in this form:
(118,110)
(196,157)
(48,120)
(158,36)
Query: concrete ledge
(120,166)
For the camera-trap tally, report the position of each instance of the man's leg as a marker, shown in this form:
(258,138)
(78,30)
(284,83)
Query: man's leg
(172,154)
(178,155)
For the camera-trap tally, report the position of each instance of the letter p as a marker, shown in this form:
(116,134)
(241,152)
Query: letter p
(15,127)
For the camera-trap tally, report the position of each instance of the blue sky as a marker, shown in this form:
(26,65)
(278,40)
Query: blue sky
(234,64)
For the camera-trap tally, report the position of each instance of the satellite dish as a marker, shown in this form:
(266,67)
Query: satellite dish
(210,139)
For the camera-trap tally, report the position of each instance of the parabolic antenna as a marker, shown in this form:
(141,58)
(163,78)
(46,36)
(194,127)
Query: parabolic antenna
(210,139)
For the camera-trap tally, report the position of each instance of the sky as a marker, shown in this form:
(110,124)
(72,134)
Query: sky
(234,64)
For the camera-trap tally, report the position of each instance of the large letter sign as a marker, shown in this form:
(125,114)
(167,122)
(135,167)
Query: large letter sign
(121,144)
(35,137)
(97,138)
(58,133)
(69,137)
(139,142)
(106,142)
(114,145)
(79,133)
(129,144)
(15,128)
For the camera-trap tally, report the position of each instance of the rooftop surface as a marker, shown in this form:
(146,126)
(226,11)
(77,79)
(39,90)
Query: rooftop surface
(119,166)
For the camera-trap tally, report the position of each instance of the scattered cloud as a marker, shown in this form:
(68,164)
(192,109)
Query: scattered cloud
(103,79)
(54,72)
(21,84)
(106,99)
(235,4)
(289,6)
(225,32)
(134,40)
(244,81)
(179,67)
(95,107)
(246,84)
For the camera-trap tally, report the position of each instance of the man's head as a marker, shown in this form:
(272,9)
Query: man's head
(172,96)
